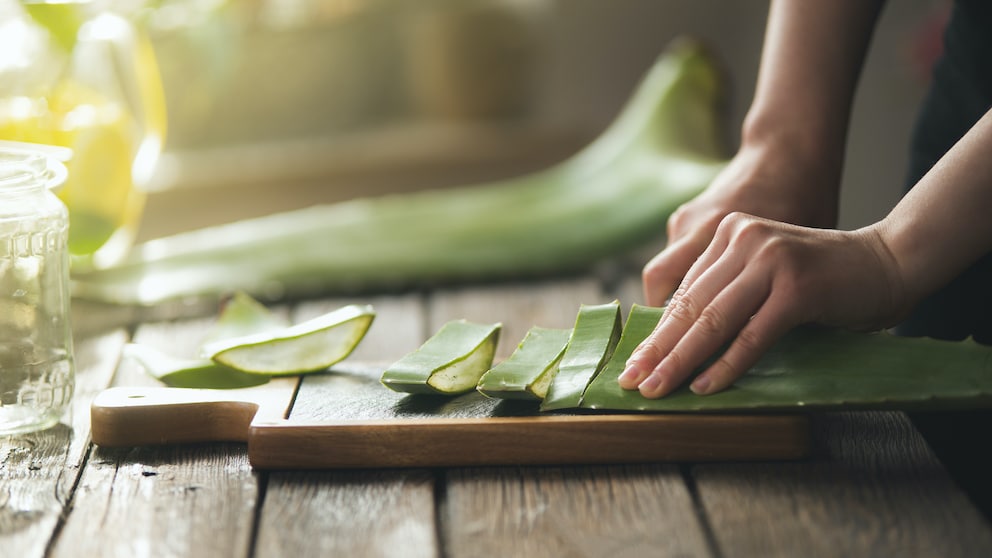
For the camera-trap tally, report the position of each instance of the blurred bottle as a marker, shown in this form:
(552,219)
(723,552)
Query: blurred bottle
(75,74)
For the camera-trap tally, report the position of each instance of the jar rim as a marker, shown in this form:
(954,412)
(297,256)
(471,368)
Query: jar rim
(27,166)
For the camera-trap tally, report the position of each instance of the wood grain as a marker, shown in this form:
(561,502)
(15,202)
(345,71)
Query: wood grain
(353,513)
(617,511)
(874,490)
(557,511)
(531,440)
(165,501)
(349,513)
(186,500)
(38,471)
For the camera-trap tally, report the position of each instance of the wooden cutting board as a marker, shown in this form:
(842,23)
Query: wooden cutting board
(347,419)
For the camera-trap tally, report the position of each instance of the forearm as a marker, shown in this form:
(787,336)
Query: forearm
(944,224)
(810,63)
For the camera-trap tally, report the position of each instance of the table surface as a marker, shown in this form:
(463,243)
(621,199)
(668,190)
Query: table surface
(872,487)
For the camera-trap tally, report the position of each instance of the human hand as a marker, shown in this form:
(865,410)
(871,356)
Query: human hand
(765,181)
(756,280)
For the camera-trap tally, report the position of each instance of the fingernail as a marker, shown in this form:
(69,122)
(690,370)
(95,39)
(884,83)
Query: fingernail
(650,384)
(700,386)
(631,375)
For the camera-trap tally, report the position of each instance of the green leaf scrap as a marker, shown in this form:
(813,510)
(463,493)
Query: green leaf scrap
(594,337)
(528,372)
(451,362)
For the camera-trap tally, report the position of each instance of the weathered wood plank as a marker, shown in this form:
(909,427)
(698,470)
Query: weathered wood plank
(349,513)
(163,501)
(567,511)
(38,471)
(353,513)
(874,489)
(618,511)
(191,500)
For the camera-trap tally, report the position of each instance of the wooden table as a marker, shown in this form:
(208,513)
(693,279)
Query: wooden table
(873,487)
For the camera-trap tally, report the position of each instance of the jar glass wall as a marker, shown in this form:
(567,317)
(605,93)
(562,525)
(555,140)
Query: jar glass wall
(36,363)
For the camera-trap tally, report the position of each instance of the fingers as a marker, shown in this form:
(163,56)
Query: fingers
(726,295)
(683,311)
(760,333)
(666,270)
(728,313)
(662,274)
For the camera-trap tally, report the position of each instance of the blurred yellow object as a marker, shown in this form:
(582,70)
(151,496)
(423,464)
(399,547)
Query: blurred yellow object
(89,82)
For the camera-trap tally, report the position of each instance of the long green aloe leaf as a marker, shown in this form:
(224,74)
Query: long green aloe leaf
(593,340)
(814,367)
(662,150)
(528,372)
(451,362)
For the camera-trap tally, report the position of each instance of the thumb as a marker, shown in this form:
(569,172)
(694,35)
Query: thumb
(662,275)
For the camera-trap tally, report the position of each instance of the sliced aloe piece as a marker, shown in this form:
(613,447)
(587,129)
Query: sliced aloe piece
(305,347)
(593,339)
(242,315)
(528,372)
(450,362)
(189,373)
(815,367)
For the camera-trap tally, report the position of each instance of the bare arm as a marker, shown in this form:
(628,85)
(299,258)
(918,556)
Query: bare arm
(944,224)
(760,278)
(789,164)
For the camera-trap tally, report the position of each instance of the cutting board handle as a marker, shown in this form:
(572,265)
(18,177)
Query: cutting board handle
(135,416)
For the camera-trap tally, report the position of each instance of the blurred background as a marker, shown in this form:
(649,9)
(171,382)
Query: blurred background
(276,104)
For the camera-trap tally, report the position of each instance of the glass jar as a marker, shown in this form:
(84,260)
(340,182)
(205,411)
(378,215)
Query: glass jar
(73,73)
(36,367)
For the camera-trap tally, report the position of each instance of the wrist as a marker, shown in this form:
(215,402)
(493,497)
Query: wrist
(812,149)
(903,289)
(804,189)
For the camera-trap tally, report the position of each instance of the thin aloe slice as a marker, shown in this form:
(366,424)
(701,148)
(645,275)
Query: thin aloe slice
(450,362)
(593,340)
(528,372)
(189,373)
(305,347)
(814,367)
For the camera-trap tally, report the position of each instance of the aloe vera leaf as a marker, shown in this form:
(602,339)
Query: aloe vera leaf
(593,340)
(527,373)
(450,362)
(824,368)
(662,150)
(305,347)
(189,373)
